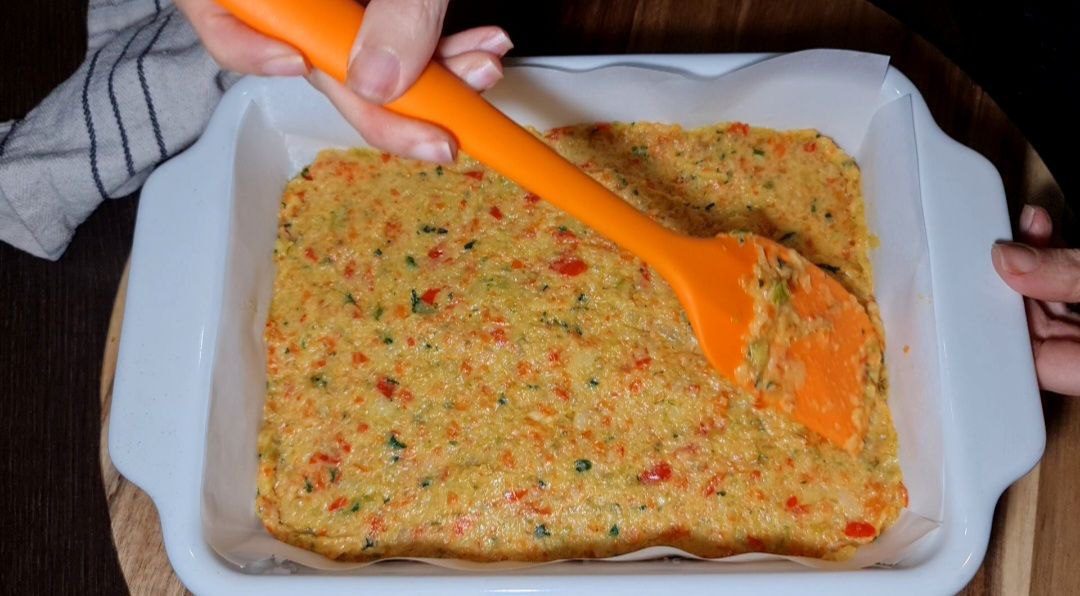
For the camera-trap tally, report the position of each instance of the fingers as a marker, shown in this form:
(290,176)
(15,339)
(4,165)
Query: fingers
(480,70)
(1036,227)
(403,136)
(1049,277)
(237,47)
(1055,362)
(1063,312)
(465,55)
(1047,321)
(492,40)
(384,129)
(475,55)
(1051,274)
(396,42)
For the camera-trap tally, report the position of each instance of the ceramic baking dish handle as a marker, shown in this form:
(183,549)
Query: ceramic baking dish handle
(164,362)
(998,417)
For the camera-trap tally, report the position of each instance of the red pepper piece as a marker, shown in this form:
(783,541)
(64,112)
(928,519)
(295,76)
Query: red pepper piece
(569,266)
(656,474)
(429,296)
(387,387)
(860,529)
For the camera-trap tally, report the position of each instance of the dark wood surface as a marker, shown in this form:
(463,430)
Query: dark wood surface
(54,524)
(55,532)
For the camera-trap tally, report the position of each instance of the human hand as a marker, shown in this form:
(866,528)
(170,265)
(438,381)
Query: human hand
(395,43)
(1049,278)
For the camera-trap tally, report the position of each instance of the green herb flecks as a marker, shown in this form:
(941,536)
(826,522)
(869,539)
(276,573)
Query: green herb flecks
(758,355)
(780,294)
(564,325)
(394,443)
(419,306)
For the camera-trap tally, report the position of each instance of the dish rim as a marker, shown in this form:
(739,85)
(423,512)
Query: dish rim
(145,431)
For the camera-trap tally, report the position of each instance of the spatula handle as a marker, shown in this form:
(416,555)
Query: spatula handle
(325,30)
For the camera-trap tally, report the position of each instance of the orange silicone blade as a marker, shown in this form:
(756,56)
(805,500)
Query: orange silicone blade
(706,277)
(831,356)
(831,398)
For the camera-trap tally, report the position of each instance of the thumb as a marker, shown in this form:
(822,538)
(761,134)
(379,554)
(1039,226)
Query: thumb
(395,43)
(1051,274)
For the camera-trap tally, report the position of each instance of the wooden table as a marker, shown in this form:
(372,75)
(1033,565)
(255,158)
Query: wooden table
(70,523)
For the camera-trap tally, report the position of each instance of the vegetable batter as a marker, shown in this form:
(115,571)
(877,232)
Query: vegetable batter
(458,369)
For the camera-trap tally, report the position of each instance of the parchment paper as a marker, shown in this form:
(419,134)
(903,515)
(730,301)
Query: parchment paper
(837,92)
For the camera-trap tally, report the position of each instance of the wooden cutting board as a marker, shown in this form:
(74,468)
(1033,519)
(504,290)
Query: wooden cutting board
(135,526)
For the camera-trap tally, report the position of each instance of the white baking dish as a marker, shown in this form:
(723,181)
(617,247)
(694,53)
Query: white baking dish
(199,242)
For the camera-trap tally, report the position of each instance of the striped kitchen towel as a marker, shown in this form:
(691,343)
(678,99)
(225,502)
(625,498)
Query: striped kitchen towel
(144,92)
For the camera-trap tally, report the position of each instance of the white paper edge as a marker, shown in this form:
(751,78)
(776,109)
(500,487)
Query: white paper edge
(754,94)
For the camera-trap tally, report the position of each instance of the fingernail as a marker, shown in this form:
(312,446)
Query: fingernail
(289,65)
(374,74)
(1015,257)
(1027,217)
(434,151)
(497,44)
(483,76)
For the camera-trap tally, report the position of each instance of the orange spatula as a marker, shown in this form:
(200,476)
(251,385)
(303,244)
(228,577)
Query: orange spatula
(820,371)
